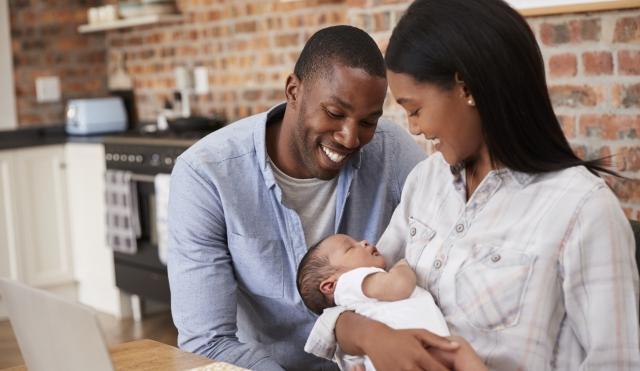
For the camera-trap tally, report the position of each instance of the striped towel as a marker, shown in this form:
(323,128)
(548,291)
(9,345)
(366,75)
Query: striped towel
(162,183)
(123,221)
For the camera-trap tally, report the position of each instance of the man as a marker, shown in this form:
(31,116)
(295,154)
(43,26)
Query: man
(247,201)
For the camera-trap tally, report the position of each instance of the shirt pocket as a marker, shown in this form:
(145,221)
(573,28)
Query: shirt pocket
(258,264)
(490,291)
(420,235)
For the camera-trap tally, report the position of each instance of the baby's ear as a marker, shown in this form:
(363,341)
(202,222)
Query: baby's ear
(328,286)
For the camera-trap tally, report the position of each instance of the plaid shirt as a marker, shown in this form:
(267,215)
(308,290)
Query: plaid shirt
(537,272)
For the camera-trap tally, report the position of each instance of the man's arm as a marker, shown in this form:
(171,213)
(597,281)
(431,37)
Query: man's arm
(397,284)
(600,284)
(201,277)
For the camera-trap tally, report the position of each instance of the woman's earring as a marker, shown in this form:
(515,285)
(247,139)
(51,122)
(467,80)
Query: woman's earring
(471,102)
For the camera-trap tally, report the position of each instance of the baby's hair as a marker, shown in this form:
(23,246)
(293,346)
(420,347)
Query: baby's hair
(313,269)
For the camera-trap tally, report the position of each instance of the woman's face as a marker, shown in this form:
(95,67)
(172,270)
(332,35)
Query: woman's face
(446,116)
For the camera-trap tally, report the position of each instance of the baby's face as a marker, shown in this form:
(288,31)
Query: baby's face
(345,252)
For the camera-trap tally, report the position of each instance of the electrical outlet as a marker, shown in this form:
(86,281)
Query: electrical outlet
(201,77)
(48,89)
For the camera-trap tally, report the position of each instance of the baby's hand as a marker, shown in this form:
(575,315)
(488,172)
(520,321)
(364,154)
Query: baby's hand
(464,358)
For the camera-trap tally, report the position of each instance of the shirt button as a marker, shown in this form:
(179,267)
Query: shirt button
(412,231)
(437,264)
(496,258)
(460,228)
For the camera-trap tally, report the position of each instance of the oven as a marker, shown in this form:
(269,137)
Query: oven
(142,273)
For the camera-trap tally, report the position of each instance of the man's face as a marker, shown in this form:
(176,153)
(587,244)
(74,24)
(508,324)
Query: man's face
(346,253)
(336,116)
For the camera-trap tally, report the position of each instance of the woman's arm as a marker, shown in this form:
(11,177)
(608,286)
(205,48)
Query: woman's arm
(387,348)
(600,284)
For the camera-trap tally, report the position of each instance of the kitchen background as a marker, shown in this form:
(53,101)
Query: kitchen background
(249,47)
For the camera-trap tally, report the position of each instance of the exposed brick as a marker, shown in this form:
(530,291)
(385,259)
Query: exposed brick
(629,62)
(568,125)
(574,31)
(597,63)
(563,65)
(610,127)
(627,30)
(626,96)
(555,34)
(627,190)
(573,96)
(628,159)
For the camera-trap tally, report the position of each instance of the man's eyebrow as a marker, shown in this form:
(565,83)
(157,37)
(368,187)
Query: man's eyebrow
(344,104)
(347,106)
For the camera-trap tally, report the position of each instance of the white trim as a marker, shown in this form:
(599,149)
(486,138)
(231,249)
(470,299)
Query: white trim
(8,117)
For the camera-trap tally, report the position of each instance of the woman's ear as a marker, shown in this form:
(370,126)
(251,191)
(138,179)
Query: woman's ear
(292,89)
(464,92)
(328,286)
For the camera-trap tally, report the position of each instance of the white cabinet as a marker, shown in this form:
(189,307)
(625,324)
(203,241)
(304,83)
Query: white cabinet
(42,218)
(8,262)
(34,222)
(92,259)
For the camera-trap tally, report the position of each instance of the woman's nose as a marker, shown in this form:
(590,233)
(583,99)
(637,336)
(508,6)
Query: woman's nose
(414,128)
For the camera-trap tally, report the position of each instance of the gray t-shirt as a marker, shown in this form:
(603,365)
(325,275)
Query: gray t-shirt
(313,199)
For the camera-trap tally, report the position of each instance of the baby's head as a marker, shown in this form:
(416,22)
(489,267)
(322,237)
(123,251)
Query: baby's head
(323,264)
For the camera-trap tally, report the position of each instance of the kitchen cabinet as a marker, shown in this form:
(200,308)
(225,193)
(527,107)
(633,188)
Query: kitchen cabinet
(93,260)
(34,222)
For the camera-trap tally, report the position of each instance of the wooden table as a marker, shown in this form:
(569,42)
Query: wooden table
(142,355)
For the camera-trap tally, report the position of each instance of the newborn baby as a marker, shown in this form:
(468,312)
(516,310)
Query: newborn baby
(342,271)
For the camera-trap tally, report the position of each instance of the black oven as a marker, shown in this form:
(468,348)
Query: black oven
(143,273)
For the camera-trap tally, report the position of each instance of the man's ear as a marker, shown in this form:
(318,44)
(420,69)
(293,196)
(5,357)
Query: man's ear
(328,286)
(293,89)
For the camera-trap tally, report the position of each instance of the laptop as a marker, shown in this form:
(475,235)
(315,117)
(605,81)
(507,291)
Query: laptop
(54,334)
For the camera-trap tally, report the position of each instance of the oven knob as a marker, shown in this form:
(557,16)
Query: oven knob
(155,159)
(116,157)
(131,158)
(108,156)
(139,159)
(123,157)
(168,161)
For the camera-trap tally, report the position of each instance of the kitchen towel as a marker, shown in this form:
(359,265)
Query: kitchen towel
(162,183)
(123,221)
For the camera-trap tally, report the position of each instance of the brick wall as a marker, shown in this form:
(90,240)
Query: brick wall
(45,42)
(249,47)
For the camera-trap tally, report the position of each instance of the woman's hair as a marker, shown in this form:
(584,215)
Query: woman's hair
(313,269)
(493,50)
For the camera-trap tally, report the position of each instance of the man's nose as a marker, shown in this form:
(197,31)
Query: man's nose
(347,136)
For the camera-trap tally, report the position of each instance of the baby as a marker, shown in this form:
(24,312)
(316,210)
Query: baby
(342,271)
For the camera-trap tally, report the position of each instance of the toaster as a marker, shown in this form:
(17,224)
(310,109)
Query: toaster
(96,115)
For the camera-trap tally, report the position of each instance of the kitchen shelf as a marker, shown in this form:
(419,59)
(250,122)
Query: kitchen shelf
(130,22)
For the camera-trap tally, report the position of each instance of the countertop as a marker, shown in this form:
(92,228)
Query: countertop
(42,136)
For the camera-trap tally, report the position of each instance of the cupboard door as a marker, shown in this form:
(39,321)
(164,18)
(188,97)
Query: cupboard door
(8,263)
(44,251)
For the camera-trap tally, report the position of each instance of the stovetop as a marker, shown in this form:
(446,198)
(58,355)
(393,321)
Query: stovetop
(145,152)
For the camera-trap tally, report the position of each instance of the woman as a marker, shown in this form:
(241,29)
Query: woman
(524,247)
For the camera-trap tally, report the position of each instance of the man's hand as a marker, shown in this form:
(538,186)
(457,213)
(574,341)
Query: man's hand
(464,358)
(405,350)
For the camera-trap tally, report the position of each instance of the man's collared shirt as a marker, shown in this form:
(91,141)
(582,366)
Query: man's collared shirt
(235,248)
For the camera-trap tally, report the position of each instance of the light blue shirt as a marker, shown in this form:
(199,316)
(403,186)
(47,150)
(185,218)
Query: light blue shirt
(234,248)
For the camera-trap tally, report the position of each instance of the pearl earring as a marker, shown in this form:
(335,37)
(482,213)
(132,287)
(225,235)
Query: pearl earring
(471,102)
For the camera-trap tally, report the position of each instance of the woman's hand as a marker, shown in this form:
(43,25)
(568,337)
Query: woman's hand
(464,358)
(403,350)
